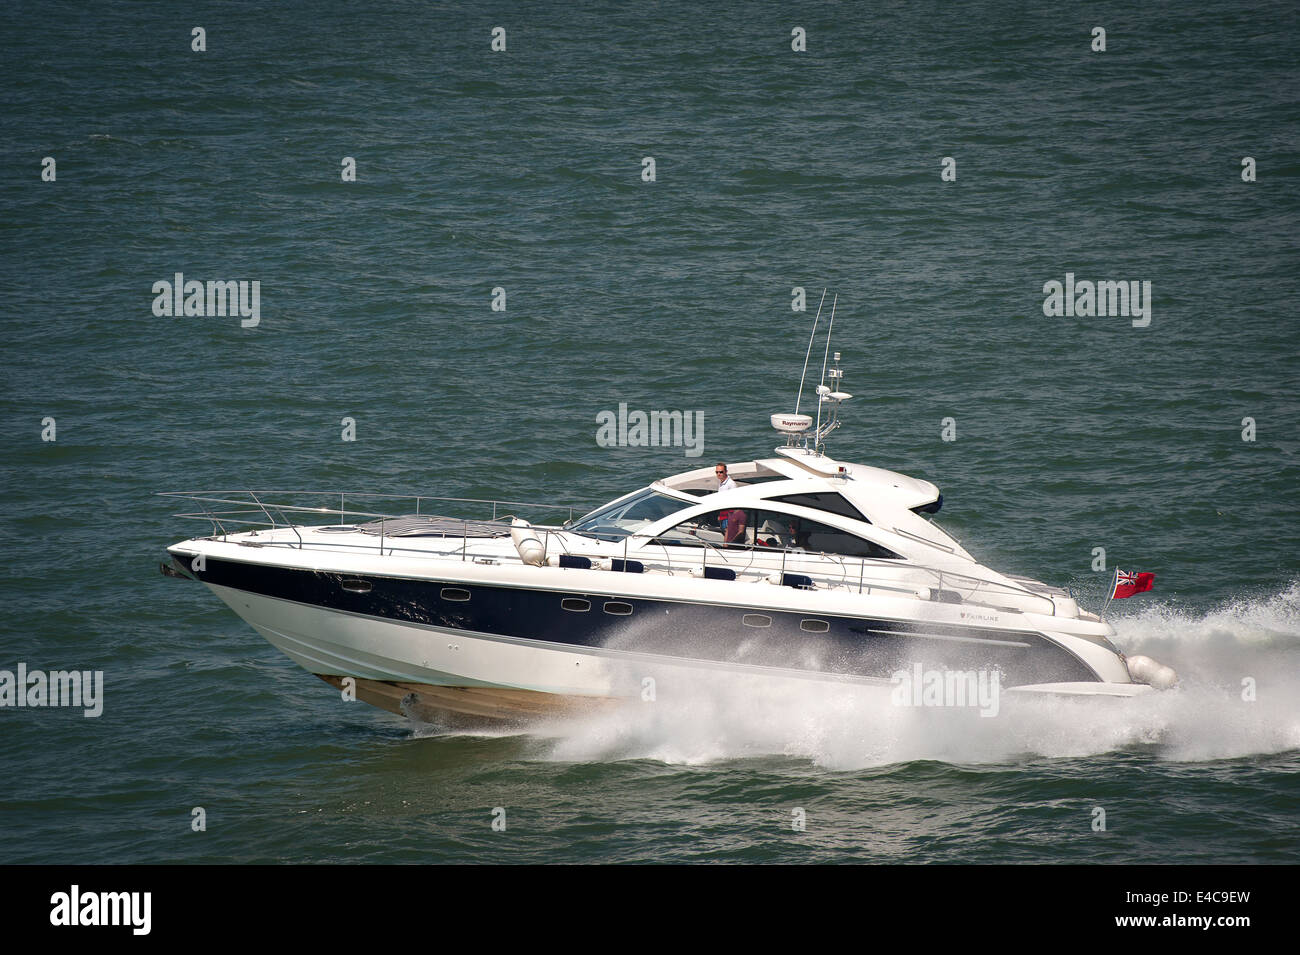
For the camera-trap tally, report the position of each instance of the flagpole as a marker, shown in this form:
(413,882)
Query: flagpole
(1113,583)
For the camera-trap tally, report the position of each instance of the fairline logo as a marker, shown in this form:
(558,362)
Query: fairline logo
(1086,299)
(74,907)
(213,299)
(658,429)
(84,688)
(921,687)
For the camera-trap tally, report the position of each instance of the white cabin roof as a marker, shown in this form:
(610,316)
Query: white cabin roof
(885,498)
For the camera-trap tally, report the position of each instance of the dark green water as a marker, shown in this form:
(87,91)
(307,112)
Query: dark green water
(774,169)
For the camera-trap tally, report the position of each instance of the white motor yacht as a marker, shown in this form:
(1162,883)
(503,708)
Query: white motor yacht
(810,568)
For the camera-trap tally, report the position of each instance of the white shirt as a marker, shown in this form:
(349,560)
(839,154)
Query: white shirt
(728,484)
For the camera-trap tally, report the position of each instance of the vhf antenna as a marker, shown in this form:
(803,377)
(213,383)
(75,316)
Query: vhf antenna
(822,389)
(799,397)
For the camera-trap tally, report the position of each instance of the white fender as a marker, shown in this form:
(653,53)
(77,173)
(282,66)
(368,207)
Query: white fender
(1145,670)
(530,547)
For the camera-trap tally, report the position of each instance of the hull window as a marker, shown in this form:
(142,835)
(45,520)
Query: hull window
(756,620)
(576,604)
(454,593)
(618,608)
(352,585)
(814,626)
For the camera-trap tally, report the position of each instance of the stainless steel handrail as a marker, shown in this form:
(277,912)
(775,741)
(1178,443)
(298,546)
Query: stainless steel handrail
(923,540)
(203,495)
(252,503)
(255,498)
(939,574)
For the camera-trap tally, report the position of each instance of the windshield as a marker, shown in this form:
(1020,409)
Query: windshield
(628,515)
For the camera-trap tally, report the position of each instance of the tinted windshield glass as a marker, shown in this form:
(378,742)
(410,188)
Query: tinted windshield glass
(628,516)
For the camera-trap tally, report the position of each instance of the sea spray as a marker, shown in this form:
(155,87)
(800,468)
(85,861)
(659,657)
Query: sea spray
(710,716)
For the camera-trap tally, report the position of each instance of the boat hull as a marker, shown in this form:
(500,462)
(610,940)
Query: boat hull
(549,648)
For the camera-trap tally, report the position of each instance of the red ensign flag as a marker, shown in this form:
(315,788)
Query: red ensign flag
(1126,585)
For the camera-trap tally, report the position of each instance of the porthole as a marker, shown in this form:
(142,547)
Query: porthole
(814,626)
(576,604)
(454,593)
(618,608)
(756,620)
(353,585)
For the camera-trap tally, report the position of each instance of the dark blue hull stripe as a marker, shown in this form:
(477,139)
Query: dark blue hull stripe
(852,646)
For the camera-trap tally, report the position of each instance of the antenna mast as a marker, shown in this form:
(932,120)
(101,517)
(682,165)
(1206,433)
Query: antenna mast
(799,440)
(822,389)
(799,397)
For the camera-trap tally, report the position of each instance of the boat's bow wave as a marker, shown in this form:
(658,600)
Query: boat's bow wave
(1239,697)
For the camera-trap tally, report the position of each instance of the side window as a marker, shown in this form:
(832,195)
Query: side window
(825,501)
(775,529)
(727,528)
